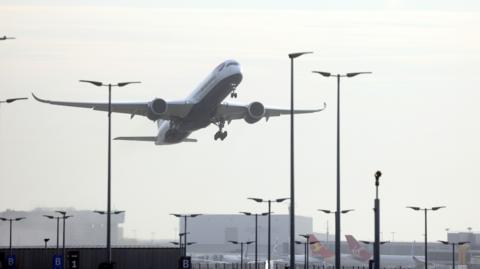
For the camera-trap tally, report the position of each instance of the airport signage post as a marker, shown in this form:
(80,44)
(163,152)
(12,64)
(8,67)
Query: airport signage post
(57,262)
(11,261)
(185,262)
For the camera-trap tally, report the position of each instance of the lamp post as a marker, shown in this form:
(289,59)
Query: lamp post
(307,245)
(241,249)
(185,217)
(109,195)
(292,57)
(11,220)
(453,248)
(435,208)
(46,241)
(376,246)
(269,202)
(180,244)
(337,243)
(256,232)
(58,229)
(64,217)
(337,215)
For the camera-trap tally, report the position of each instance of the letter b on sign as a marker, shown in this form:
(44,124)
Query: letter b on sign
(185,262)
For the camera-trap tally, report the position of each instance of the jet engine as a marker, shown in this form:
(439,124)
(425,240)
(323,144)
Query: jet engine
(156,108)
(256,111)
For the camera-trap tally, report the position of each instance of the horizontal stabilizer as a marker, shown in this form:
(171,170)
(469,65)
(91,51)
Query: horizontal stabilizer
(189,140)
(137,138)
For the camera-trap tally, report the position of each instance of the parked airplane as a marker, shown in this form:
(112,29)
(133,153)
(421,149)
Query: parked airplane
(176,120)
(360,253)
(318,250)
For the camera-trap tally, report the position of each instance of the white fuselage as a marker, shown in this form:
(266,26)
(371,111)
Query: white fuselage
(204,99)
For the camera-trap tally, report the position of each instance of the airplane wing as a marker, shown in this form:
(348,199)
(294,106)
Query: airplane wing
(176,109)
(229,112)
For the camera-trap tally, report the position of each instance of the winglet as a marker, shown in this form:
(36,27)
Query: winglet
(39,99)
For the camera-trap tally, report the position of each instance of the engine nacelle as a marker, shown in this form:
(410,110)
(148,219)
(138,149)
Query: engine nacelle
(256,111)
(156,108)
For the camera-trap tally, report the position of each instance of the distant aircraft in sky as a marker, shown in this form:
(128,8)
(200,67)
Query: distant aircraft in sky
(176,120)
(6,37)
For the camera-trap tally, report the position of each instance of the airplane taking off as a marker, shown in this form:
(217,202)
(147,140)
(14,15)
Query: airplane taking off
(176,120)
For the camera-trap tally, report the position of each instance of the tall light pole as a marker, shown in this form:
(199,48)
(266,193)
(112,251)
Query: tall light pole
(241,249)
(114,212)
(307,245)
(58,229)
(337,215)
(256,232)
(453,248)
(11,220)
(337,243)
(269,202)
(185,217)
(109,194)
(46,242)
(292,57)
(435,208)
(64,217)
(376,246)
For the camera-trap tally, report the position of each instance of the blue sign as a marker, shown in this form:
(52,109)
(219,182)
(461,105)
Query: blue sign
(11,261)
(185,262)
(57,262)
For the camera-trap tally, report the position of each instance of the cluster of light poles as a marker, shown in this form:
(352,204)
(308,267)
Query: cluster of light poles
(241,249)
(63,217)
(306,244)
(256,232)
(269,202)
(185,232)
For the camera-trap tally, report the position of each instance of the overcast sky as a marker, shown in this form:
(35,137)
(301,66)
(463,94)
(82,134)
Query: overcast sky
(415,118)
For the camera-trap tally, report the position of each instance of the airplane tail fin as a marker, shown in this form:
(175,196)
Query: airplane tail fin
(358,251)
(319,250)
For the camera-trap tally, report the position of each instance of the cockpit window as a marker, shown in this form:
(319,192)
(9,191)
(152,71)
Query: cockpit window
(220,67)
(232,63)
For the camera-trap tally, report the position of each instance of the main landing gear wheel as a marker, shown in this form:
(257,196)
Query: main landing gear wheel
(233,95)
(220,135)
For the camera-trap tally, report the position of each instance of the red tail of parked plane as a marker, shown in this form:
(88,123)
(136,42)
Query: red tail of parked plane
(318,249)
(359,252)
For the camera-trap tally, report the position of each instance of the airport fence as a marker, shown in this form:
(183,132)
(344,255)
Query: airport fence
(224,265)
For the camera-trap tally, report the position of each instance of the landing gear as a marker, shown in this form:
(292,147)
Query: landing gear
(233,95)
(220,135)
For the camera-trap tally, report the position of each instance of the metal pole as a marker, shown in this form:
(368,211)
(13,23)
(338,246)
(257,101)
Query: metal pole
(305,258)
(376,246)
(426,254)
(109,195)
(185,238)
(292,174)
(58,233)
(308,252)
(453,256)
(10,245)
(241,255)
(63,244)
(256,241)
(337,213)
(269,228)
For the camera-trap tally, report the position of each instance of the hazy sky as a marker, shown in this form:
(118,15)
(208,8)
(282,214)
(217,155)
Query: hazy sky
(414,118)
